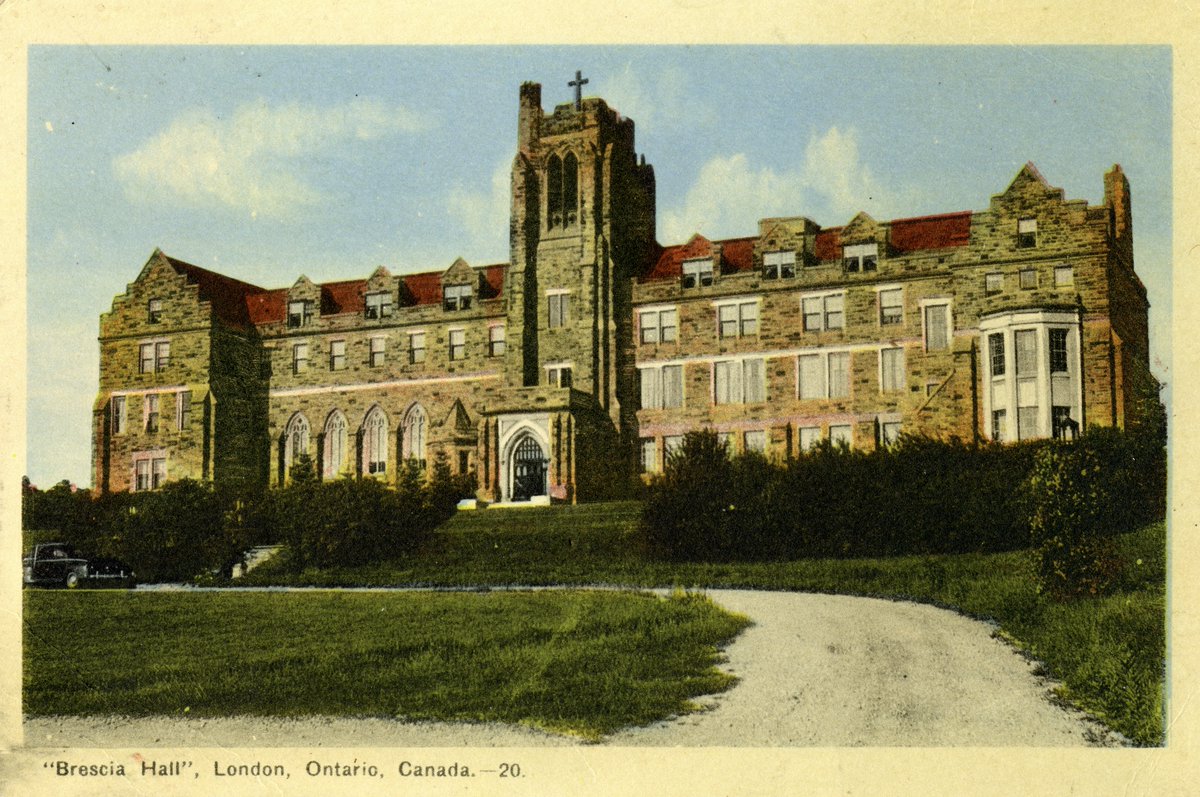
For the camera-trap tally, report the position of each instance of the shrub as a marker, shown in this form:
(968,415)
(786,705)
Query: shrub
(684,516)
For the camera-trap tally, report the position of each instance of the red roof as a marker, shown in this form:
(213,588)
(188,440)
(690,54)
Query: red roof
(737,254)
(670,261)
(493,281)
(827,245)
(931,232)
(422,288)
(227,295)
(343,297)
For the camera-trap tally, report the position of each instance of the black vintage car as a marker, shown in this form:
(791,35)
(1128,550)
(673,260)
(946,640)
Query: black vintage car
(56,564)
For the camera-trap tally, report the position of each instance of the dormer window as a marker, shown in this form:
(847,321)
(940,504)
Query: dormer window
(1026,233)
(779,265)
(154,311)
(697,273)
(379,304)
(299,313)
(456,297)
(860,257)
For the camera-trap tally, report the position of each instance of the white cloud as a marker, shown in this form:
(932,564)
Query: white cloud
(829,185)
(484,217)
(253,159)
(658,102)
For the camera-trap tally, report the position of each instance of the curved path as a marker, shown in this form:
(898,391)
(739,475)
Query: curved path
(815,670)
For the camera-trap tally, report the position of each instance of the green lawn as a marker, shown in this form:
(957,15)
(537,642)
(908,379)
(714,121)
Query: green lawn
(585,663)
(1108,652)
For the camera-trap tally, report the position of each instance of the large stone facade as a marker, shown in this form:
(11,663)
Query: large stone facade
(558,375)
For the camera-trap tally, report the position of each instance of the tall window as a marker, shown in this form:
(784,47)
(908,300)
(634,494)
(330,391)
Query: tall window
(662,388)
(812,376)
(416,347)
(299,313)
(891,306)
(824,312)
(151,405)
(299,358)
(737,320)
(375,434)
(154,311)
(1025,343)
(659,326)
(891,367)
(413,440)
(562,190)
(739,381)
(937,327)
(333,457)
(456,297)
(839,374)
(999,423)
(117,415)
(496,340)
(337,355)
(378,351)
(860,257)
(1026,233)
(458,344)
(154,356)
(779,265)
(559,376)
(697,273)
(146,358)
(379,304)
(183,410)
(889,433)
(996,350)
(649,447)
(559,308)
(296,442)
(1058,351)
(824,375)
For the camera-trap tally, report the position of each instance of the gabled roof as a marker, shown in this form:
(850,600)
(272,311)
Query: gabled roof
(422,288)
(227,295)
(737,254)
(931,232)
(343,297)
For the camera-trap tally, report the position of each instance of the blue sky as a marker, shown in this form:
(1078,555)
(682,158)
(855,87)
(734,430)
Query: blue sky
(268,162)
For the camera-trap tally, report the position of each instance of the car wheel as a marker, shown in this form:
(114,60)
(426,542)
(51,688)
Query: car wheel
(72,580)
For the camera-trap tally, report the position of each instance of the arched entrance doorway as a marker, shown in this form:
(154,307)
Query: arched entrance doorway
(529,468)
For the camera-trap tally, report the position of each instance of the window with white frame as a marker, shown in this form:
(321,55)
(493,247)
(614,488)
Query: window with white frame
(993,283)
(737,320)
(558,375)
(1035,383)
(154,311)
(755,441)
(860,257)
(662,387)
(1026,233)
(183,410)
(1025,344)
(117,414)
(299,358)
(824,312)
(823,375)
(891,306)
(1058,350)
(337,355)
(299,313)
(999,425)
(809,437)
(457,340)
(779,265)
(375,439)
(412,441)
(996,353)
(559,309)
(379,304)
(416,347)
(659,325)
(839,374)
(150,471)
(1064,276)
(333,455)
(739,381)
(841,435)
(150,407)
(295,441)
(811,369)
(154,356)
(697,273)
(889,433)
(497,344)
(456,297)
(378,351)
(891,370)
(937,327)
(649,447)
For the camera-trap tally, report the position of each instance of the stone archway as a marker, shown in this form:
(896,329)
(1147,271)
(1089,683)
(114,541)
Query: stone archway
(529,467)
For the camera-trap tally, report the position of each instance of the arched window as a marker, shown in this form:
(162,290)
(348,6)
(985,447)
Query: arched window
(570,189)
(554,197)
(295,440)
(375,434)
(414,434)
(333,457)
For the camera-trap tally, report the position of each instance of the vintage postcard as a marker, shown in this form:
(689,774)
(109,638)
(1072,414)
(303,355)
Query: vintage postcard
(400,400)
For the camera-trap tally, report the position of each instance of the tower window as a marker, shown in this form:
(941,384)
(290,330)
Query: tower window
(562,191)
(559,308)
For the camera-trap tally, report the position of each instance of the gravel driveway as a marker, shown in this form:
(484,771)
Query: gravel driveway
(815,670)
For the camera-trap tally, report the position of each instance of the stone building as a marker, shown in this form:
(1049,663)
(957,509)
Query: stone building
(589,354)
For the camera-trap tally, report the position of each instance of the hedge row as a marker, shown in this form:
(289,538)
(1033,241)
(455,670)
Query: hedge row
(919,497)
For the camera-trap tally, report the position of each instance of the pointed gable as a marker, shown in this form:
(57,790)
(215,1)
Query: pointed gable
(669,264)
(1028,186)
(459,419)
(460,273)
(861,229)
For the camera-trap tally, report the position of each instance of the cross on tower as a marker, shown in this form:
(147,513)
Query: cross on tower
(579,82)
